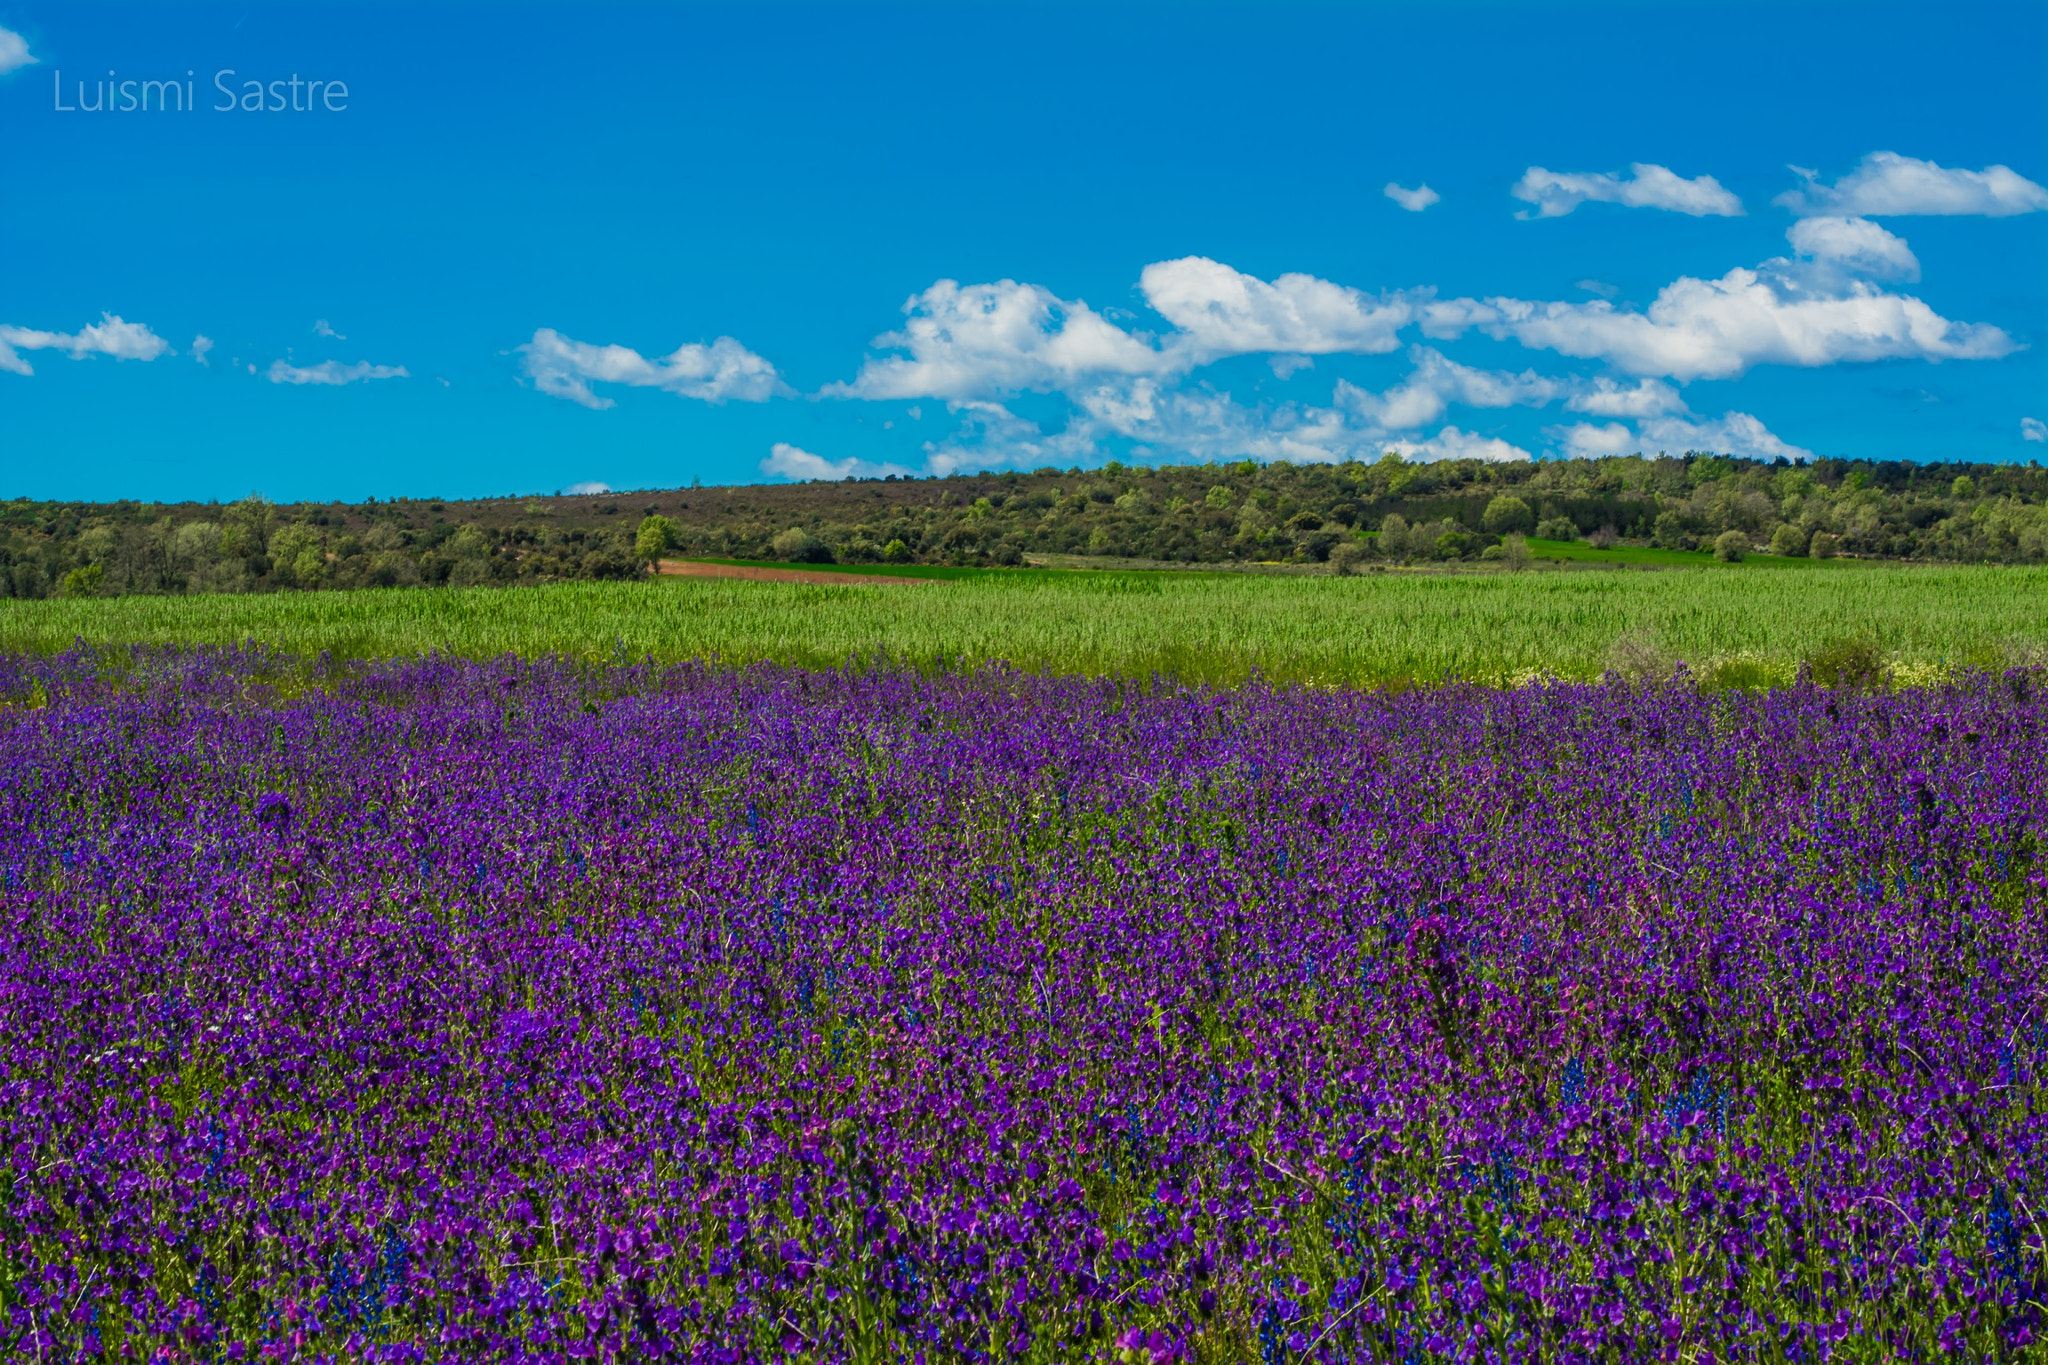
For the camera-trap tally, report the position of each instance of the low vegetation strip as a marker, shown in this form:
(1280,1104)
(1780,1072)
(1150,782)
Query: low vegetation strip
(1728,625)
(775,573)
(448,1011)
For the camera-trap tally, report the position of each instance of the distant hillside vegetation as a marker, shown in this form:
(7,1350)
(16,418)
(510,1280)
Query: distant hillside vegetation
(1190,513)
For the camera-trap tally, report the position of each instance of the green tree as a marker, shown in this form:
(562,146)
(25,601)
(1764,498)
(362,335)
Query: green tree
(1514,553)
(1344,557)
(1394,535)
(657,537)
(82,582)
(896,552)
(1788,540)
(798,546)
(1506,515)
(1730,547)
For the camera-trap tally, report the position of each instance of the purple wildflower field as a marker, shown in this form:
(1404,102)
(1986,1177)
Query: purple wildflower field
(533,1011)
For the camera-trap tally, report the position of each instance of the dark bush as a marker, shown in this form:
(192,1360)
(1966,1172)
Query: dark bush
(1848,661)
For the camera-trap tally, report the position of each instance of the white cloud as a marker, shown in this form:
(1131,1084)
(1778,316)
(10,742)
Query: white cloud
(1203,424)
(1734,433)
(1224,312)
(13,51)
(1438,381)
(723,370)
(1587,440)
(1195,423)
(2033,429)
(981,341)
(1415,200)
(1856,245)
(1887,183)
(991,435)
(792,462)
(1287,366)
(110,336)
(587,487)
(1556,193)
(321,328)
(1453,444)
(201,344)
(331,372)
(1605,398)
(1784,312)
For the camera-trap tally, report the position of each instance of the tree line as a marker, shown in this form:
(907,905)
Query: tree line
(1214,513)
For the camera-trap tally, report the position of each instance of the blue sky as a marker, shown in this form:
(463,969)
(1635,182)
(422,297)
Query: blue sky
(537,246)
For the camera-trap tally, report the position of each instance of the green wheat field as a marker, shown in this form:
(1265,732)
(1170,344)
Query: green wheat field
(1727,627)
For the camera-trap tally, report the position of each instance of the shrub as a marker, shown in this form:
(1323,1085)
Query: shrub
(1639,658)
(1604,539)
(1514,553)
(1730,547)
(896,552)
(1848,661)
(1556,528)
(1824,545)
(1788,540)
(1507,514)
(1670,532)
(798,546)
(1344,557)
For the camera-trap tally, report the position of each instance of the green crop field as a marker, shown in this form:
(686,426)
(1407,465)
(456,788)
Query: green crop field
(1728,624)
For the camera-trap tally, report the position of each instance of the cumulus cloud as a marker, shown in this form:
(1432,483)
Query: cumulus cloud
(980,341)
(2033,429)
(1646,398)
(1436,382)
(1856,245)
(13,51)
(331,372)
(201,344)
(792,462)
(1591,440)
(1161,418)
(1222,312)
(322,328)
(1807,312)
(1887,183)
(1415,200)
(587,487)
(1453,444)
(110,336)
(1733,433)
(1556,193)
(715,373)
